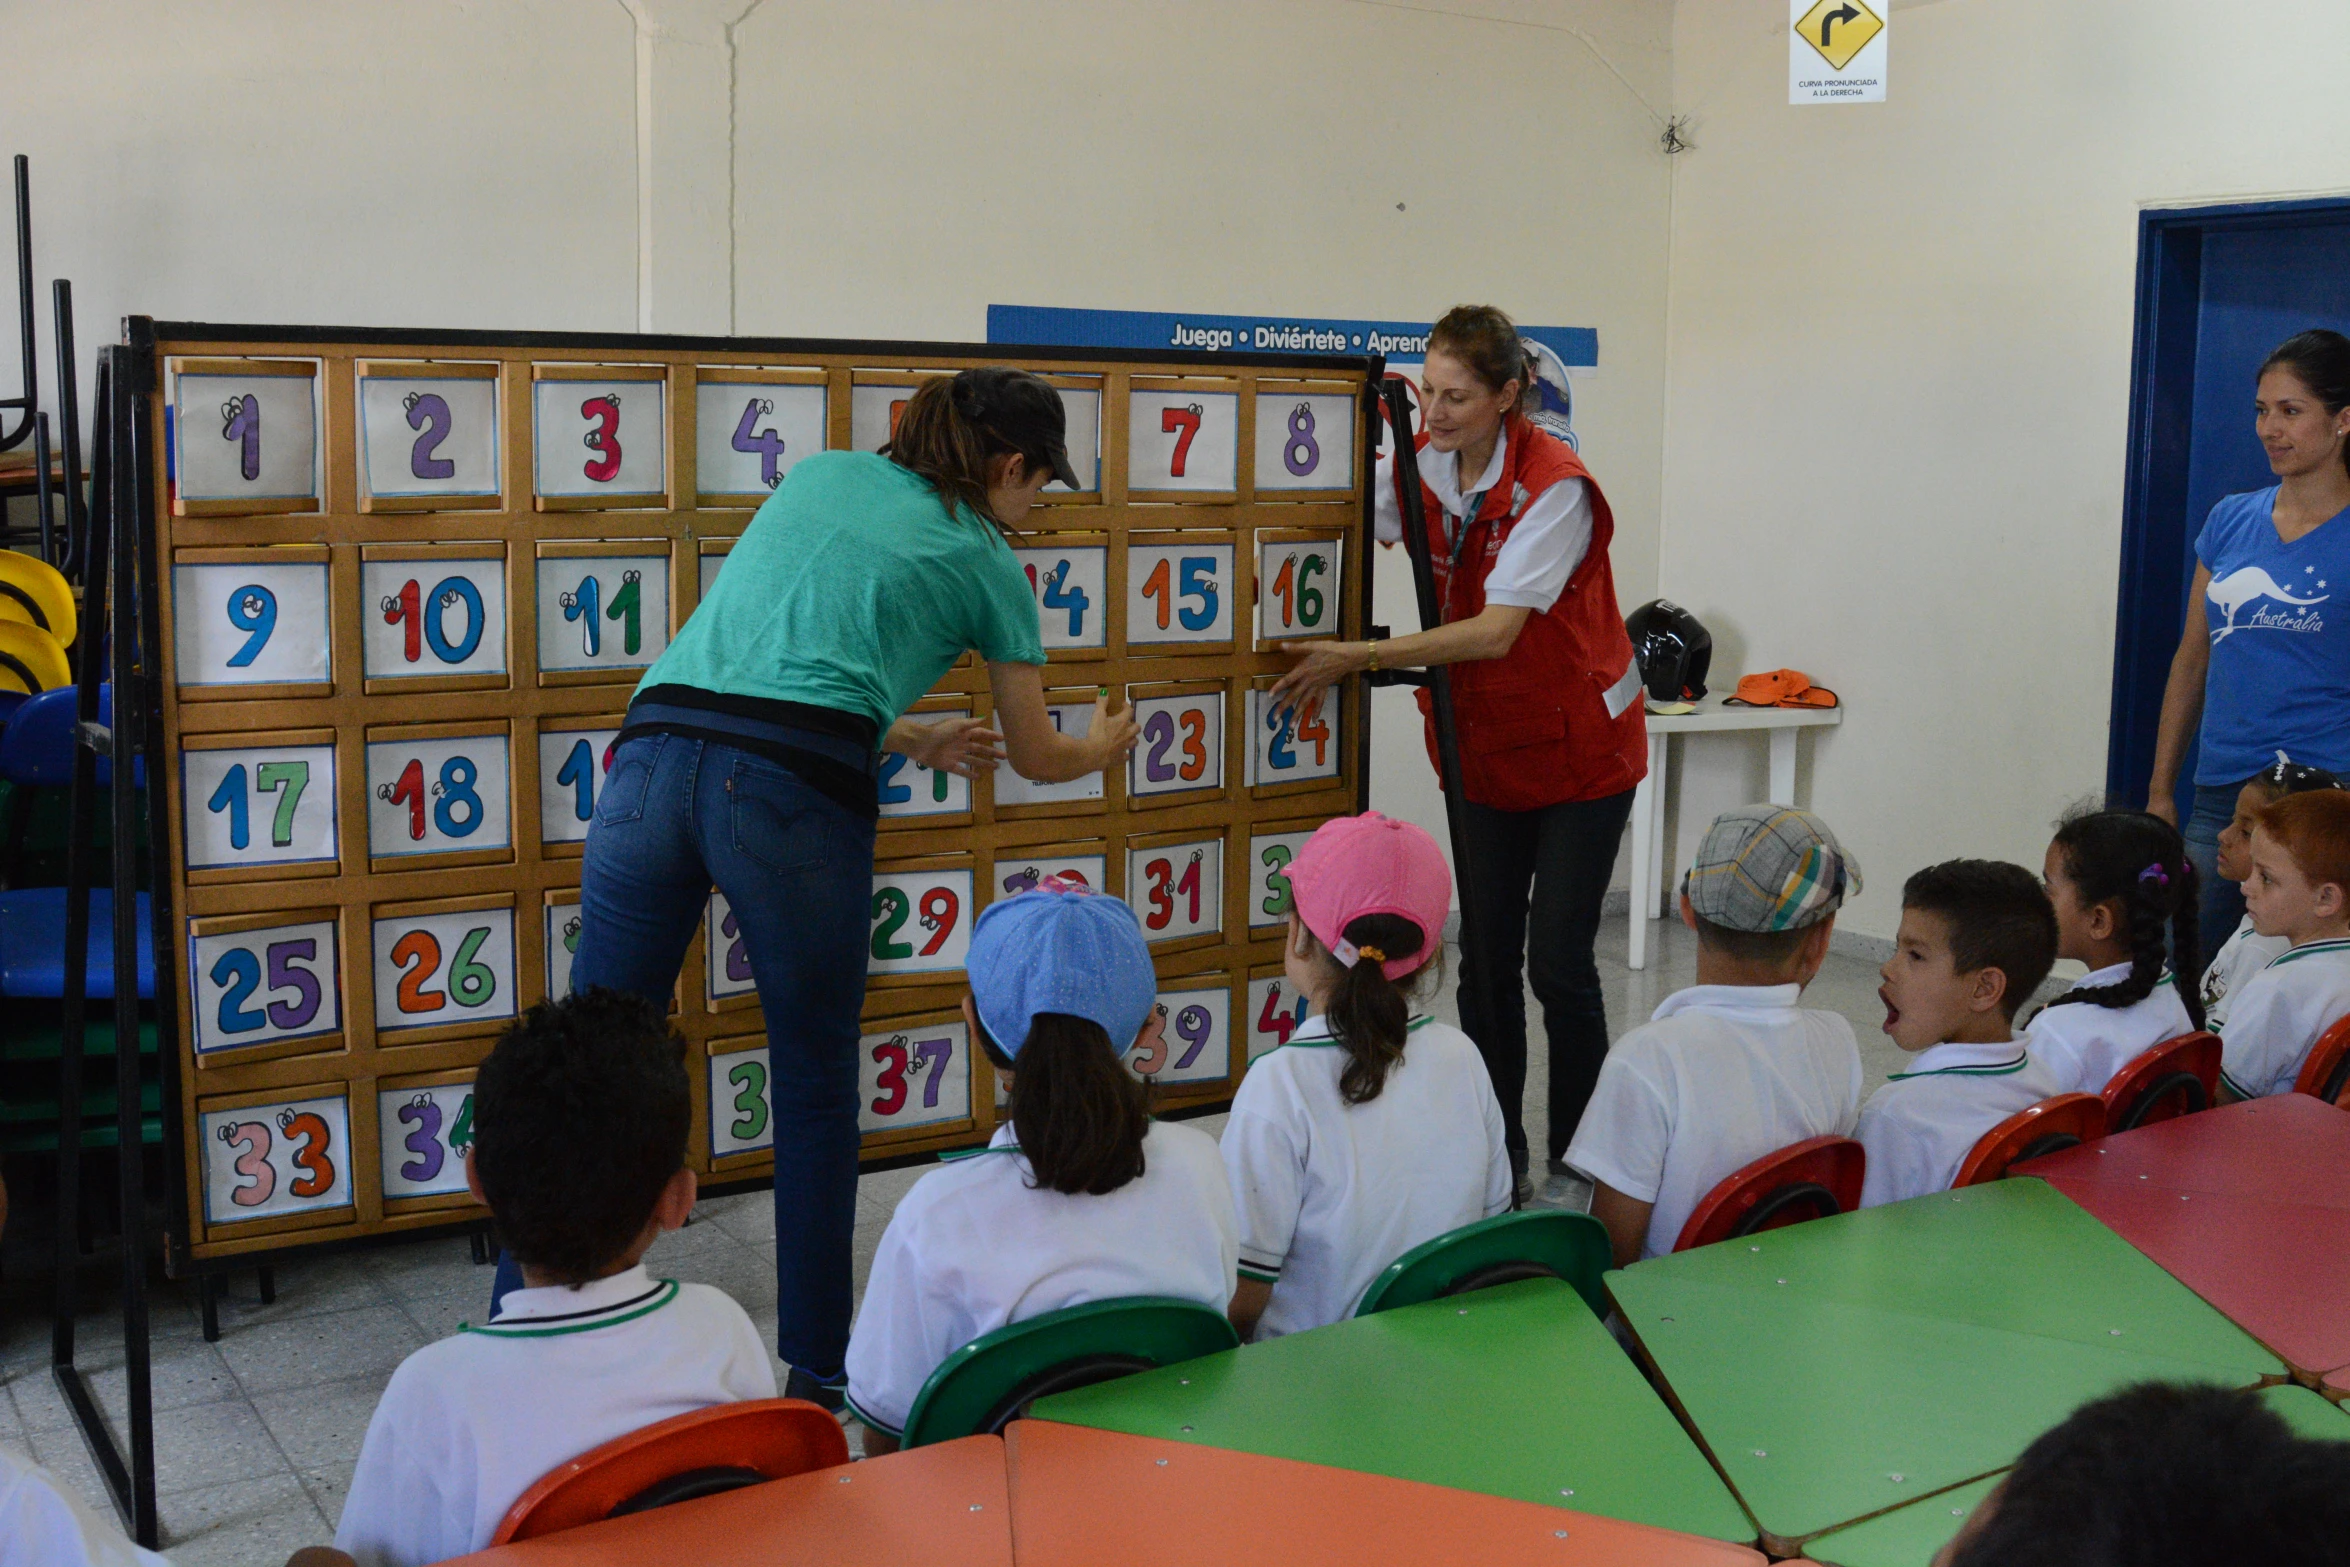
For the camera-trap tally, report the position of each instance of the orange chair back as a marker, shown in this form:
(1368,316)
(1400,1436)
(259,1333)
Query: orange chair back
(1811,1180)
(2175,1078)
(774,1437)
(2065,1121)
(2326,1072)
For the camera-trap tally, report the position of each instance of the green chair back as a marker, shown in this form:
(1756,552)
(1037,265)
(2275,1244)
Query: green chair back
(1532,1243)
(991,1381)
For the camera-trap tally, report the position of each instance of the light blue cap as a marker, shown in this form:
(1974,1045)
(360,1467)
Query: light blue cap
(1081,953)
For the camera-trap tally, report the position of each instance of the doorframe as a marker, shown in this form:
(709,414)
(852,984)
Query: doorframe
(2154,575)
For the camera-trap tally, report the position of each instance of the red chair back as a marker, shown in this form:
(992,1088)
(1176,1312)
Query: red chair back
(729,1444)
(2175,1078)
(2065,1121)
(1811,1180)
(2326,1072)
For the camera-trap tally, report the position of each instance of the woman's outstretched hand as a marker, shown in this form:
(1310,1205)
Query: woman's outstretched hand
(967,746)
(1113,732)
(1323,664)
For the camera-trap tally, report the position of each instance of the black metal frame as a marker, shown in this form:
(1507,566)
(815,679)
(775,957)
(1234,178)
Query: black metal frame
(27,401)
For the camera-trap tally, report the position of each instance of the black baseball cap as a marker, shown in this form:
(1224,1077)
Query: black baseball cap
(1023,411)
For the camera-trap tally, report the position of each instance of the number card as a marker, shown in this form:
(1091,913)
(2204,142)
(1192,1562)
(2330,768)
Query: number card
(245,434)
(874,408)
(424,1132)
(1179,592)
(921,920)
(1177,888)
(265,1160)
(248,806)
(1196,1043)
(1071,710)
(563,922)
(1297,587)
(573,764)
(1182,437)
(432,617)
(908,788)
(428,435)
(1305,440)
(1020,870)
(1270,849)
(1071,581)
(1181,748)
(250,618)
(729,956)
(439,967)
(914,1075)
(600,435)
(1292,744)
(748,433)
(713,559)
(263,980)
(431,790)
(603,611)
(1081,409)
(741,1113)
(1274,1011)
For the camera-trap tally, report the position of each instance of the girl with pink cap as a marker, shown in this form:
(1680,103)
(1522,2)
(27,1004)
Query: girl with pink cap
(1373,1129)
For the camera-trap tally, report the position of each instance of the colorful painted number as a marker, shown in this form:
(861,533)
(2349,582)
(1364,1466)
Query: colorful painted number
(1269,856)
(620,427)
(1182,745)
(247,437)
(921,921)
(1195,1045)
(573,764)
(257,624)
(1022,875)
(603,614)
(1293,742)
(1179,890)
(1179,593)
(259,807)
(914,1077)
(1297,590)
(1274,1014)
(432,435)
(425,1134)
(1183,440)
(563,922)
(748,437)
(432,970)
(741,1120)
(1072,592)
(1305,443)
(437,796)
(729,956)
(265,1160)
(255,987)
(432,617)
(908,788)
(424,619)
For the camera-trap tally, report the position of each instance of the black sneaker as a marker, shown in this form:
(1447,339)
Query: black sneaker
(833,1397)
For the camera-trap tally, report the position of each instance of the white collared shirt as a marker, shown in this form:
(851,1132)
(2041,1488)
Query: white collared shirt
(1719,1077)
(2278,1015)
(1330,1193)
(1919,1128)
(2245,953)
(470,1423)
(976,1245)
(45,1524)
(2085,1044)
(1542,551)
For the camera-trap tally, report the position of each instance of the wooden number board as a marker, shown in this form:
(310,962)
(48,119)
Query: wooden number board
(414,579)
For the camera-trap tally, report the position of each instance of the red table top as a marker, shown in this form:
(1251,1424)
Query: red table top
(1081,1497)
(2247,1205)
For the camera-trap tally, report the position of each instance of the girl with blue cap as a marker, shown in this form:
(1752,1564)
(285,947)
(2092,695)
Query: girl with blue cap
(1079,1196)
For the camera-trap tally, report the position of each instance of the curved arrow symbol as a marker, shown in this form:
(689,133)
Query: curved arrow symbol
(1843,13)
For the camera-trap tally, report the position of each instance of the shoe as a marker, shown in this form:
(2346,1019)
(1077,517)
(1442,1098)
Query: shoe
(832,1397)
(1524,1192)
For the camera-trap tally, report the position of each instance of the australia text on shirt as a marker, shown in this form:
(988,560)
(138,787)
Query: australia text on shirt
(2249,583)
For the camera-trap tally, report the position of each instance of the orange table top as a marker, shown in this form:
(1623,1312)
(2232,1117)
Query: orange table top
(1086,1496)
(946,1504)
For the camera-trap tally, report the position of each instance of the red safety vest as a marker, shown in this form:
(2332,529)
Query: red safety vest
(1533,725)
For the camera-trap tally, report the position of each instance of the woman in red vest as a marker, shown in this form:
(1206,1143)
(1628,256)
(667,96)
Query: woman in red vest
(1546,698)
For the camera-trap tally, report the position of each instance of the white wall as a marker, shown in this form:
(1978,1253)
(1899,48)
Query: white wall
(1898,378)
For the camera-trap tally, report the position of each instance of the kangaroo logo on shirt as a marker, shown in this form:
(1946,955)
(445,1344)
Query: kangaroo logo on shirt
(2247,584)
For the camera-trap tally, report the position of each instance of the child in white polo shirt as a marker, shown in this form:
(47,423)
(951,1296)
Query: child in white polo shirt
(580,1117)
(1080,1196)
(1976,938)
(1371,1130)
(2299,889)
(1730,1069)
(2246,951)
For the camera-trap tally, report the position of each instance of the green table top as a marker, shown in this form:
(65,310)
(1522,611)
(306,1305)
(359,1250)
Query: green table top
(1516,1391)
(2312,1415)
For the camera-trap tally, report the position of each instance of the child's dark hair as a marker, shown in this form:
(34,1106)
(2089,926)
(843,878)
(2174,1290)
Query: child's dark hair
(2285,776)
(2140,861)
(1369,1013)
(2320,360)
(580,1117)
(1775,948)
(1999,917)
(1079,1113)
(2162,1474)
(938,437)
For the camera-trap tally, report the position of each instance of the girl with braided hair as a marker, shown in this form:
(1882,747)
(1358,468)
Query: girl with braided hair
(2126,905)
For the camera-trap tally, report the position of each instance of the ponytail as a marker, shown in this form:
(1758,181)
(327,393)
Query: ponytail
(937,437)
(1079,1113)
(1369,1013)
(2140,861)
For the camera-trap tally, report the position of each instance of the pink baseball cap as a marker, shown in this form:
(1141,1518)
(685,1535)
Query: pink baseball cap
(1371,864)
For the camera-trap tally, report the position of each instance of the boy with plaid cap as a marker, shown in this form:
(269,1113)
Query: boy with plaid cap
(1730,1069)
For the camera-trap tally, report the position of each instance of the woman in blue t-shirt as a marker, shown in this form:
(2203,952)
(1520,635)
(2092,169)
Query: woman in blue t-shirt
(750,755)
(2267,667)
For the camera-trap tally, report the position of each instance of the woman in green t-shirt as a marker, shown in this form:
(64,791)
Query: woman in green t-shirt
(750,756)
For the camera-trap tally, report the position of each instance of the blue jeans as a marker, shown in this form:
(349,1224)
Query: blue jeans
(676,816)
(2223,900)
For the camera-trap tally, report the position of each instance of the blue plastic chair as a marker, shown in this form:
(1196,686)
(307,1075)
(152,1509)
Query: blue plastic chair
(32,945)
(36,749)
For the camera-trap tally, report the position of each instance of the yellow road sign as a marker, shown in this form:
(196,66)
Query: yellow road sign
(1839,29)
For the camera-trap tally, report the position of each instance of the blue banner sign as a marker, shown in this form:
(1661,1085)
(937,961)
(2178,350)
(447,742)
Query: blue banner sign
(1406,341)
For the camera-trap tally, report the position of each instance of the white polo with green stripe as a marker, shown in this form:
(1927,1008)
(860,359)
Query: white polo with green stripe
(2278,1015)
(1919,1127)
(2085,1044)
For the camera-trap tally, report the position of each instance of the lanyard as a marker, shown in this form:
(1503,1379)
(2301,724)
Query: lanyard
(1460,535)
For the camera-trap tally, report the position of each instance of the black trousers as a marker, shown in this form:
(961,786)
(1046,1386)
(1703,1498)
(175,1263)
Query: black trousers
(1553,864)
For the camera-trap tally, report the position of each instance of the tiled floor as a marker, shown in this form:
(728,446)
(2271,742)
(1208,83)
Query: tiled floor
(256,1436)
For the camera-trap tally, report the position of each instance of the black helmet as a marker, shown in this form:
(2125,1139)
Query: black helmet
(1673,649)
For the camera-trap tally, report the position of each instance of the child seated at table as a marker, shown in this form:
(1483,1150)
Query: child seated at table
(1730,1069)
(1371,1130)
(2299,891)
(580,1116)
(1977,937)
(1079,1196)
(2246,952)
(2119,881)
